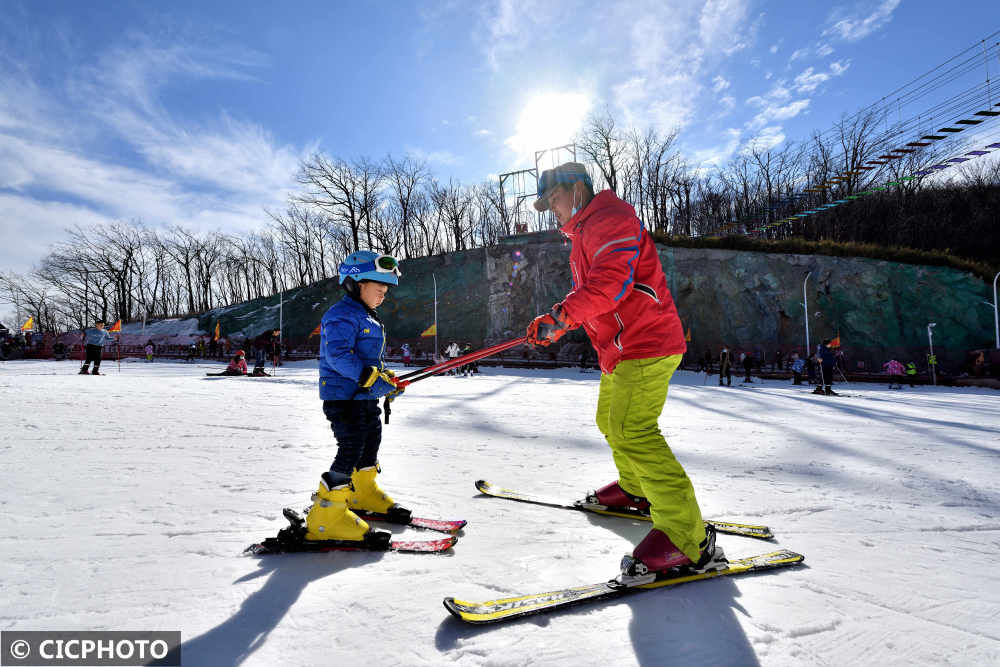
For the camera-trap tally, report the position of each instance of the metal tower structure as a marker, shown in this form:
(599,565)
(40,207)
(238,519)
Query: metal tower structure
(519,187)
(515,188)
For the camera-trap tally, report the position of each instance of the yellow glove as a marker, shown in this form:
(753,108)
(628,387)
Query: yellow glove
(371,375)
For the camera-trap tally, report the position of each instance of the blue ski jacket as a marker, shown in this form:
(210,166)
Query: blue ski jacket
(351,340)
(95,336)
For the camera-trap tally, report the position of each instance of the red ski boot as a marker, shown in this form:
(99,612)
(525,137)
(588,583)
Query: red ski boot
(613,497)
(657,555)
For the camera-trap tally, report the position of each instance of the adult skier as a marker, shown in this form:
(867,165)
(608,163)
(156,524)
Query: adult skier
(264,347)
(747,362)
(94,340)
(352,377)
(620,297)
(827,363)
(453,352)
(726,366)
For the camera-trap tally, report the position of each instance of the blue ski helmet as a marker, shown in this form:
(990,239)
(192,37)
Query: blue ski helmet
(368,265)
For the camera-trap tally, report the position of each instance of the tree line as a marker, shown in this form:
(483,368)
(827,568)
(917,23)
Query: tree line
(131,271)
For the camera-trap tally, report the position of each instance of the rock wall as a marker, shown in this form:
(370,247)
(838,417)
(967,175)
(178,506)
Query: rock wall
(751,301)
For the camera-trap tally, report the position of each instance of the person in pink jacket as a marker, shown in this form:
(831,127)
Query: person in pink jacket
(895,371)
(238,366)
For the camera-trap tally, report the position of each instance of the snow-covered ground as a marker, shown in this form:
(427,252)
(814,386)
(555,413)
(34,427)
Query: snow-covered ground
(127,499)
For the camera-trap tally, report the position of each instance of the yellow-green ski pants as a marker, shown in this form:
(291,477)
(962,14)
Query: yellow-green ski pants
(628,411)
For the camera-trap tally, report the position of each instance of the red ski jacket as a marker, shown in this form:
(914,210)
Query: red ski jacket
(620,294)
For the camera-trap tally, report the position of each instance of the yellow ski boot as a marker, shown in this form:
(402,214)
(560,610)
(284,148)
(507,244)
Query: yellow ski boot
(369,498)
(330,519)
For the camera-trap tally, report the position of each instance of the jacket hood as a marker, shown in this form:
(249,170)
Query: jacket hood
(606,202)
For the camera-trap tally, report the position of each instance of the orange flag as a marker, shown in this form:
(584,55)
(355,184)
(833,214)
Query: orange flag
(836,341)
(216,336)
(316,331)
(29,325)
(688,336)
(116,327)
(431,331)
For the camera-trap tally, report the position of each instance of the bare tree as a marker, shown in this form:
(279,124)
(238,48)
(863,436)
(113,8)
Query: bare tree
(604,144)
(406,178)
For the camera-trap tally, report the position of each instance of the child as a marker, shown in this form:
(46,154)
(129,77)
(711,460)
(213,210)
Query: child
(149,352)
(238,366)
(895,371)
(352,377)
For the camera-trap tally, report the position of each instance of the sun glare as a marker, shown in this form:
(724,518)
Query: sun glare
(549,120)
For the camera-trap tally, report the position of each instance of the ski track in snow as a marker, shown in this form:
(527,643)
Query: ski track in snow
(129,498)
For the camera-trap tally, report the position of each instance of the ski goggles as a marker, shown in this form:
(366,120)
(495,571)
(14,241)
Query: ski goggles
(382,264)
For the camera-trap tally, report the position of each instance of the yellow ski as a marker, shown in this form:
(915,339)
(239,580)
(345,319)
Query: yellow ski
(505,609)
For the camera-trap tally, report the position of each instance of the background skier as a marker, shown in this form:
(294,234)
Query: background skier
(238,364)
(747,362)
(726,366)
(828,362)
(453,352)
(895,371)
(798,365)
(620,296)
(94,340)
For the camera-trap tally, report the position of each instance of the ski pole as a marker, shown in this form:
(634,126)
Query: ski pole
(423,373)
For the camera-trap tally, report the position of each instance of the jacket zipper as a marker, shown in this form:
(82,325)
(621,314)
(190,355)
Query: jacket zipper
(618,336)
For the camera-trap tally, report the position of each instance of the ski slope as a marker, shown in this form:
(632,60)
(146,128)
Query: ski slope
(127,499)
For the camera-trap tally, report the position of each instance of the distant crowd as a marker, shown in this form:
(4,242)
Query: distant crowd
(265,349)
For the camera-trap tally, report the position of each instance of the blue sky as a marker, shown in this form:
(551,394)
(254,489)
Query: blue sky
(197,113)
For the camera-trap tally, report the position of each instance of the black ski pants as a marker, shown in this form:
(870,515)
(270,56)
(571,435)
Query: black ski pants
(358,429)
(94,353)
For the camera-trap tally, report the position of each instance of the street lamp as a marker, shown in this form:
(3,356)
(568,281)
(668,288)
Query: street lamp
(996,319)
(805,303)
(931,360)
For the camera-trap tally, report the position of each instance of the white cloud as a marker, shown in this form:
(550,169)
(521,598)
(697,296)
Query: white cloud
(809,79)
(766,139)
(209,173)
(790,110)
(862,22)
(657,75)
(771,112)
(716,156)
(839,67)
(723,24)
(31,227)
(798,54)
(510,30)
(445,158)
(719,84)
(823,50)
